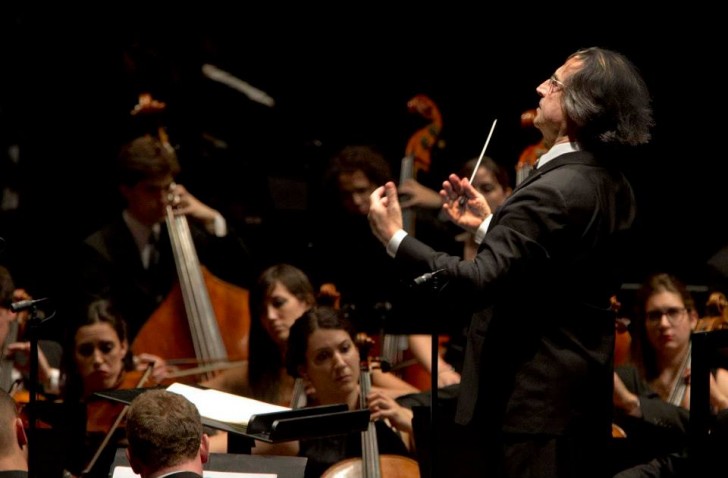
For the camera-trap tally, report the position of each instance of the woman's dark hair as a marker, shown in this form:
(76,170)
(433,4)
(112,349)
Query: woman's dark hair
(99,311)
(264,356)
(326,318)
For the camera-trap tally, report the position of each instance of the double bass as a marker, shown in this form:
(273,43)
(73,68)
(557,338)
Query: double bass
(203,318)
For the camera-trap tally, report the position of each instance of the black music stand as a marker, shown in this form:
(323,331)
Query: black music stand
(35,320)
(302,423)
(702,428)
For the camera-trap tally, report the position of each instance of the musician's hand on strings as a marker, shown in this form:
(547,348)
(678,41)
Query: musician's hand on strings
(184,203)
(160,369)
(382,406)
(385,213)
(415,194)
(463,204)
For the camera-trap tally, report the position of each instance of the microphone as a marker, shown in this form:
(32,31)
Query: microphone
(425,278)
(26,304)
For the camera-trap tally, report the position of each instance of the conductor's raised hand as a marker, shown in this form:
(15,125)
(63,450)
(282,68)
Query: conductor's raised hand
(385,213)
(463,204)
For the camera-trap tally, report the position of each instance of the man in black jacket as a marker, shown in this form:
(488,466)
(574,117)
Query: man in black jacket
(536,385)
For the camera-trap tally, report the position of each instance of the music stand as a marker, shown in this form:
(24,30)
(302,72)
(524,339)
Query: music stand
(705,344)
(297,424)
(35,320)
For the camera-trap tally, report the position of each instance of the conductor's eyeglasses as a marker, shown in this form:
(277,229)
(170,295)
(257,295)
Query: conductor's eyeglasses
(674,315)
(555,84)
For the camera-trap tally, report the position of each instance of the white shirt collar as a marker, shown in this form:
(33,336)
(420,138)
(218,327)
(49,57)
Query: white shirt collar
(557,150)
(139,231)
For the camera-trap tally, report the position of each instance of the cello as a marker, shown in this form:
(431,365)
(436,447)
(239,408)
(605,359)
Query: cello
(203,318)
(371,464)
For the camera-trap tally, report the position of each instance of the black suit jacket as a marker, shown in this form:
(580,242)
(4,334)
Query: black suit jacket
(539,357)
(110,266)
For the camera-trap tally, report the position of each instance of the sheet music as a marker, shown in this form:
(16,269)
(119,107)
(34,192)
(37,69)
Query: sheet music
(222,406)
(125,472)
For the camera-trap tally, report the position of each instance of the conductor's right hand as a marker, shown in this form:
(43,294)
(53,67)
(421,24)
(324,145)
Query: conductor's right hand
(385,213)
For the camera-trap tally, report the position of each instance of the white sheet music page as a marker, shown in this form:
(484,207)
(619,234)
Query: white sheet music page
(222,406)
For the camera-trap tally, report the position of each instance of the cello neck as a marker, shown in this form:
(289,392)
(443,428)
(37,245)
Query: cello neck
(371,465)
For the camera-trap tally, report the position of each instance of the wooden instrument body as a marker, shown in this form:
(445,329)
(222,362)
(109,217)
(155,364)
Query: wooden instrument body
(371,464)
(167,333)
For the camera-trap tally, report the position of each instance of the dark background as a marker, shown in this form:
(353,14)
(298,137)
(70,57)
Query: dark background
(70,77)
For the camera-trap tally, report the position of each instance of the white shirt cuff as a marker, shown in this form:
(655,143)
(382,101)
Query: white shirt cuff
(395,241)
(482,229)
(219,226)
(52,385)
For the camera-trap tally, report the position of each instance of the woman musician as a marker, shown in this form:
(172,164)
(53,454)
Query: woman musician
(99,358)
(322,350)
(652,391)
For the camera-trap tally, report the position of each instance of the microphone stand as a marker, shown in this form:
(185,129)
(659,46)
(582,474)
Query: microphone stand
(34,322)
(434,284)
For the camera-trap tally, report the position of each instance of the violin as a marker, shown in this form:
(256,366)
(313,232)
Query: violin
(371,464)
(106,417)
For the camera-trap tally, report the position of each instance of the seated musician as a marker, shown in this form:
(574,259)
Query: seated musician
(99,360)
(322,350)
(652,392)
(14,364)
(282,294)
(130,260)
(165,436)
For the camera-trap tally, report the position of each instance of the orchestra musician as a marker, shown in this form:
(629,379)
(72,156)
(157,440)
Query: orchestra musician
(282,294)
(322,350)
(537,378)
(14,365)
(99,359)
(13,440)
(130,259)
(652,391)
(165,436)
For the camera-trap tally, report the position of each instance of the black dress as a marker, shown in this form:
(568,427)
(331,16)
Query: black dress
(325,452)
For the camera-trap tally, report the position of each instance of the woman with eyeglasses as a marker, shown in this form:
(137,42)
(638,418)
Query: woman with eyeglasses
(652,391)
